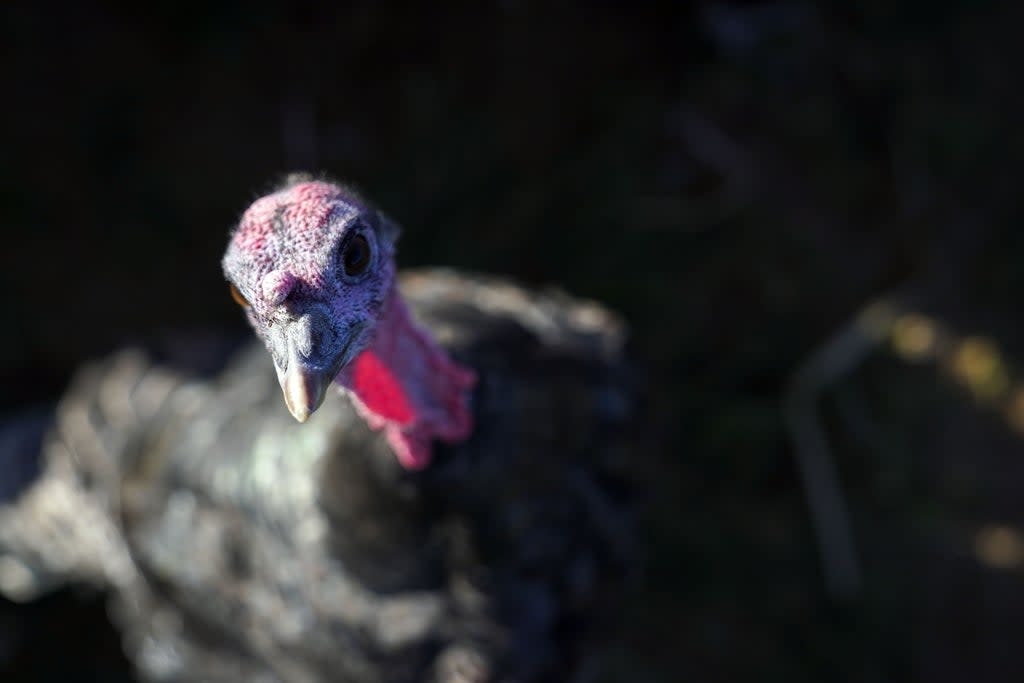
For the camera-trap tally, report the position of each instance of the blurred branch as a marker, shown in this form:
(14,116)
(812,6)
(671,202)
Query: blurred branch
(829,515)
(713,150)
(976,364)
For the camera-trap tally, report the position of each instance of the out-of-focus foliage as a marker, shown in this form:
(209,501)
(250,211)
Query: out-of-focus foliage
(738,178)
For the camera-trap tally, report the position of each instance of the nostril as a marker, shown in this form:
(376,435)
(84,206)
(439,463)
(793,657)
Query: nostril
(317,331)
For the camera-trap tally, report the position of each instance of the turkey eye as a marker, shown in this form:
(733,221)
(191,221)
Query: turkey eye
(237,296)
(357,256)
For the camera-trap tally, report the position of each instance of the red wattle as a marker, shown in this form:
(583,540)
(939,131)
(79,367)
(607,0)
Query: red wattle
(379,390)
(406,385)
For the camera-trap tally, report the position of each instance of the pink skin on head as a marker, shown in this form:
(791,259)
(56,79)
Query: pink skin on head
(284,259)
(302,208)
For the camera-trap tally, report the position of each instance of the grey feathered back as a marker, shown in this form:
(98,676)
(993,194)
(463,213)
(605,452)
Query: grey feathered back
(240,545)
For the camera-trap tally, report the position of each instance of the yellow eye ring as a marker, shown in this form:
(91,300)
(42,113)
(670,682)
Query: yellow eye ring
(237,296)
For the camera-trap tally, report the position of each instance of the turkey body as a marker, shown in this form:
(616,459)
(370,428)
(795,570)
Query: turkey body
(239,545)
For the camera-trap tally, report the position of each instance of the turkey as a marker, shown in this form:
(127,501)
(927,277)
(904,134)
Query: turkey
(459,508)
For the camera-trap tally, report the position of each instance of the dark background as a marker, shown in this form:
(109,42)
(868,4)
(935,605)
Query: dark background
(739,179)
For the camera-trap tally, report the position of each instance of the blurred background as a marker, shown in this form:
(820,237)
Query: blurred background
(742,180)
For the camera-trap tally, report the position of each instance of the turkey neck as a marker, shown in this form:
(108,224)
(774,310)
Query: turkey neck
(407,386)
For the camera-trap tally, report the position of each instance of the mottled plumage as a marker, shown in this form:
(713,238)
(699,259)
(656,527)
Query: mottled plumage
(240,545)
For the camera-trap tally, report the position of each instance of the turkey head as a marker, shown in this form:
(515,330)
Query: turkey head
(313,266)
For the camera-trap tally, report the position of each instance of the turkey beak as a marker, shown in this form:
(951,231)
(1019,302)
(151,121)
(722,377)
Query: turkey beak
(304,387)
(314,359)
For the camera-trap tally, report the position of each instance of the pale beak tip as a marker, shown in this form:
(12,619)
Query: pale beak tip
(303,392)
(298,411)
